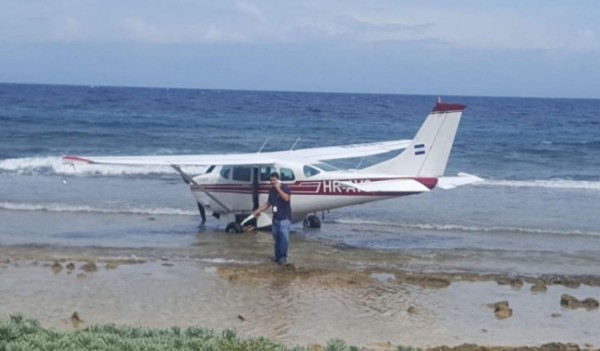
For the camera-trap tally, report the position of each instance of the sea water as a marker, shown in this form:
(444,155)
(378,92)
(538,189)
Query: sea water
(537,211)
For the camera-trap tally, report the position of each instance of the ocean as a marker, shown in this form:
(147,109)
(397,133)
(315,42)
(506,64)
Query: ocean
(536,213)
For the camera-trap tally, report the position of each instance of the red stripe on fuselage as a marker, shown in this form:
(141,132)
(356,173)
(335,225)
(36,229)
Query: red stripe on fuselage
(323,187)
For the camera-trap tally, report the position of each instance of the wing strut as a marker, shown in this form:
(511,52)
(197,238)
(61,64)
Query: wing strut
(189,180)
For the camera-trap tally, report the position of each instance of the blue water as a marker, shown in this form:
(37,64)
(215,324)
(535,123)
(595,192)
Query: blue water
(537,209)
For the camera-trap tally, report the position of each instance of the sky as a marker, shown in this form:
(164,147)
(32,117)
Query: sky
(523,48)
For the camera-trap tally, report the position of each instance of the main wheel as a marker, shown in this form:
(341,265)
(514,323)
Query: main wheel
(311,221)
(234,227)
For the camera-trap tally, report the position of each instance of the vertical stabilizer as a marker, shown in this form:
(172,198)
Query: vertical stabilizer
(427,155)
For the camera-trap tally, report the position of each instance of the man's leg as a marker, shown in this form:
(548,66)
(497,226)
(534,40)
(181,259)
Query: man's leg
(284,235)
(275,230)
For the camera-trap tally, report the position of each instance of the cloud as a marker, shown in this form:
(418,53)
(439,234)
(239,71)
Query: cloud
(139,29)
(251,10)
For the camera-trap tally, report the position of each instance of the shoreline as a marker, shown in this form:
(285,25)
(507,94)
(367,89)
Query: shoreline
(304,304)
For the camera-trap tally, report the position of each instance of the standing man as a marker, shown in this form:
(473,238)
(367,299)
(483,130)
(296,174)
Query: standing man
(279,199)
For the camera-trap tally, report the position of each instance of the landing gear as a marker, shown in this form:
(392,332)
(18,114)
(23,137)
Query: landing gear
(234,228)
(311,221)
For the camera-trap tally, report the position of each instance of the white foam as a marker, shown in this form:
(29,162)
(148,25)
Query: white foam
(552,184)
(58,207)
(54,165)
(455,227)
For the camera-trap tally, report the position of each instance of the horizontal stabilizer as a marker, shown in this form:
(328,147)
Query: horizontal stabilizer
(461,179)
(394,185)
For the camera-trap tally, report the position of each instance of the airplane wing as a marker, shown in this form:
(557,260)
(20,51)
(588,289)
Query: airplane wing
(462,179)
(345,151)
(394,185)
(181,160)
(263,158)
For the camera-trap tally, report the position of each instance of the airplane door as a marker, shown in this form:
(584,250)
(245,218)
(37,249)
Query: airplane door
(242,176)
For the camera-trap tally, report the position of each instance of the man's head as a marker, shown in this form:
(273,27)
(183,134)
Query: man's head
(274,178)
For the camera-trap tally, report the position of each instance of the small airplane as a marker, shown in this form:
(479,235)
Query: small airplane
(235,185)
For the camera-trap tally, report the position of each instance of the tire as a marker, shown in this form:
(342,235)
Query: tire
(234,228)
(311,221)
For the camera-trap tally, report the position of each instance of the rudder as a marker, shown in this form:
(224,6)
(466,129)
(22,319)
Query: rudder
(428,153)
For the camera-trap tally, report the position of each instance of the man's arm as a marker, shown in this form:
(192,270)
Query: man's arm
(284,195)
(262,208)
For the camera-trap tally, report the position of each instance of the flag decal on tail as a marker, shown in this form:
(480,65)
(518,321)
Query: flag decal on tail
(420,149)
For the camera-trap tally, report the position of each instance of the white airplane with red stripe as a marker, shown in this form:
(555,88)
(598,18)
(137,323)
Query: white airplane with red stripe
(234,185)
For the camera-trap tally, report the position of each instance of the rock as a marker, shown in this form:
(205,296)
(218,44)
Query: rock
(556,315)
(484,330)
(569,301)
(167,264)
(498,304)
(164,258)
(539,287)
(516,283)
(70,266)
(75,320)
(5,261)
(501,309)
(503,281)
(151,218)
(111,265)
(35,263)
(81,276)
(241,318)
(571,283)
(572,302)
(424,281)
(315,347)
(411,310)
(502,312)
(89,267)
(589,303)
(56,267)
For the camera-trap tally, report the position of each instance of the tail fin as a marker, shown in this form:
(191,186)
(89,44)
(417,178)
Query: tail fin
(427,154)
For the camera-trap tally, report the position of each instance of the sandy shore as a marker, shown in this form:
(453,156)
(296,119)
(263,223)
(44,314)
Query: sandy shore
(299,305)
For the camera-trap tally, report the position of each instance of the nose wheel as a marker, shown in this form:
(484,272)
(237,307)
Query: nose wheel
(234,228)
(311,221)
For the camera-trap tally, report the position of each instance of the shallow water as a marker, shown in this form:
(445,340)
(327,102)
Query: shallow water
(296,309)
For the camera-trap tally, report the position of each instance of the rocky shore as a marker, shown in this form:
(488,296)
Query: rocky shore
(465,310)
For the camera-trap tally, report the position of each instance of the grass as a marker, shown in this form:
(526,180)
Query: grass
(18,333)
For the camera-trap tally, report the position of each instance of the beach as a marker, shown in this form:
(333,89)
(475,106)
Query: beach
(309,302)
(417,270)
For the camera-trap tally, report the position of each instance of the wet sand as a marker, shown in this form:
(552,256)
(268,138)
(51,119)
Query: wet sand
(297,305)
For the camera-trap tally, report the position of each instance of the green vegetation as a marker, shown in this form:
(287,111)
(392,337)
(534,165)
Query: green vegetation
(18,333)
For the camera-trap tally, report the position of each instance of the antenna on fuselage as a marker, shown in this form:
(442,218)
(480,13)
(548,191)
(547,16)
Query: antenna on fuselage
(263,145)
(295,142)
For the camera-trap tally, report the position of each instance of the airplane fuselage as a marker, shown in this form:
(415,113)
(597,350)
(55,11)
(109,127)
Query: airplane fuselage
(235,189)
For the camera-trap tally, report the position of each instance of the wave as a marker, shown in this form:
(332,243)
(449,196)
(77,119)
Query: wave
(462,228)
(58,207)
(538,183)
(54,165)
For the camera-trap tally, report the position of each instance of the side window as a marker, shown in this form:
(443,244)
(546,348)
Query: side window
(310,171)
(225,171)
(286,174)
(265,173)
(242,173)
